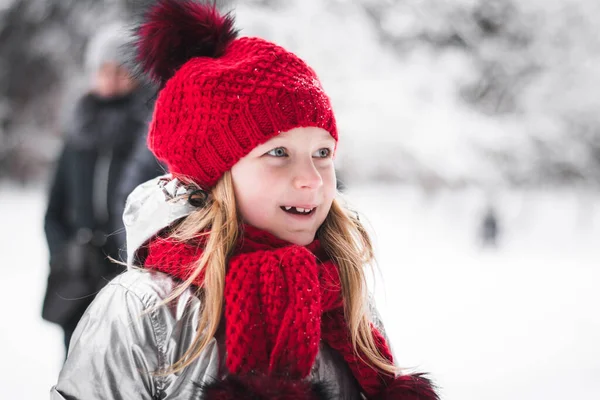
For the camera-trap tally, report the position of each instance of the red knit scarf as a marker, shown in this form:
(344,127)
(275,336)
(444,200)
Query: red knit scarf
(281,300)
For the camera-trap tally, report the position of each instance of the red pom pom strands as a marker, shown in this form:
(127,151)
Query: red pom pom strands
(174,32)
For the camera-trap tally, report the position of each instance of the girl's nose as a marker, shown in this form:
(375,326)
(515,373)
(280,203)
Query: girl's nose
(306,176)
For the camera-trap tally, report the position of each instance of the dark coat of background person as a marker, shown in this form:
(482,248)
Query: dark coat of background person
(82,215)
(142,167)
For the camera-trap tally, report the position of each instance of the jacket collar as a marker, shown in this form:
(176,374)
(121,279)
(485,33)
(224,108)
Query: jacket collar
(151,207)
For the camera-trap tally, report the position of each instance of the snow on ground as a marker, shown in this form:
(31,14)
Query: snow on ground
(519,323)
(32,348)
(515,323)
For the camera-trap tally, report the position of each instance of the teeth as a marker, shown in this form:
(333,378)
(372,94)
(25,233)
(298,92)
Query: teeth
(299,209)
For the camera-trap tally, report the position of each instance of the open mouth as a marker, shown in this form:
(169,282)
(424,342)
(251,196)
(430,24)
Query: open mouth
(298,210)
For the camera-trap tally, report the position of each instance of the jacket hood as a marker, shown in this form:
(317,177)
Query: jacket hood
(151,207)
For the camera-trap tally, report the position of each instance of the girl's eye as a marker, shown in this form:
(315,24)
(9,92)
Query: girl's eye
(277,152)
(322,153)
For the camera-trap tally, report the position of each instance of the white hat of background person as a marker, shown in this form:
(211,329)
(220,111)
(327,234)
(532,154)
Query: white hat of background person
(108,45)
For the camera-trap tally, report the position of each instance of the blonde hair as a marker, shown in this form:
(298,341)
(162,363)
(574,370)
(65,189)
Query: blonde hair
(342,235)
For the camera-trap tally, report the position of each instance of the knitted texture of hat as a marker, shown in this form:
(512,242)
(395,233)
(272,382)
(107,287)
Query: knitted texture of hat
(214,112)
(225,100)
(281,300)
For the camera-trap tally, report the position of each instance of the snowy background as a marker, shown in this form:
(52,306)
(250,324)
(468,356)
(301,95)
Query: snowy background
(445,108)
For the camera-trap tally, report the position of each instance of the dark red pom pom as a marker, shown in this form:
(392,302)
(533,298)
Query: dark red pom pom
(261,387)
(174,32)
(410,387)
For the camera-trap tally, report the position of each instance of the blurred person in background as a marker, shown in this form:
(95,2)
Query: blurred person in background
(82,213)
(489,228)
(141,167)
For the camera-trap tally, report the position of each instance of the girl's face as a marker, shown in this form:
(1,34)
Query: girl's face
(286,185)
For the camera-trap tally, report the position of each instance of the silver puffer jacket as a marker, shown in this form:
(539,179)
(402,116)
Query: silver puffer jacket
(118,344)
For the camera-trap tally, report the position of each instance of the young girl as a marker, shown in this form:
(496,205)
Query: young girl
(252,285)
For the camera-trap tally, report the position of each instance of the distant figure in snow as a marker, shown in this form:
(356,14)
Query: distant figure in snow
(81,216)
(489,228)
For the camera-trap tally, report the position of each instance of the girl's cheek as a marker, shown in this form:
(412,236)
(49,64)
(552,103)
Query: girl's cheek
(272,173)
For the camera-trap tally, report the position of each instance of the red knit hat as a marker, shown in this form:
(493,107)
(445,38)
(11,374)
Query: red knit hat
(221,96)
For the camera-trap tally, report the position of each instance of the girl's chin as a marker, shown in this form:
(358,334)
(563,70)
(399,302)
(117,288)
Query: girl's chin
(301,238)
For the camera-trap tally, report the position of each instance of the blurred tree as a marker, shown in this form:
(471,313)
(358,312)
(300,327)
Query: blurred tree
(534,67)
(41,49)
(42,45)
(537,64)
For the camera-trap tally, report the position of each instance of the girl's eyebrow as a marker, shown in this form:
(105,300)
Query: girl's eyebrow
(282,141)
(329,140)
(278,139)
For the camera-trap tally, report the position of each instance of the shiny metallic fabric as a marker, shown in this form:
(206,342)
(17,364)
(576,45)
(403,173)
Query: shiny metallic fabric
(117,346)
(152,206)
